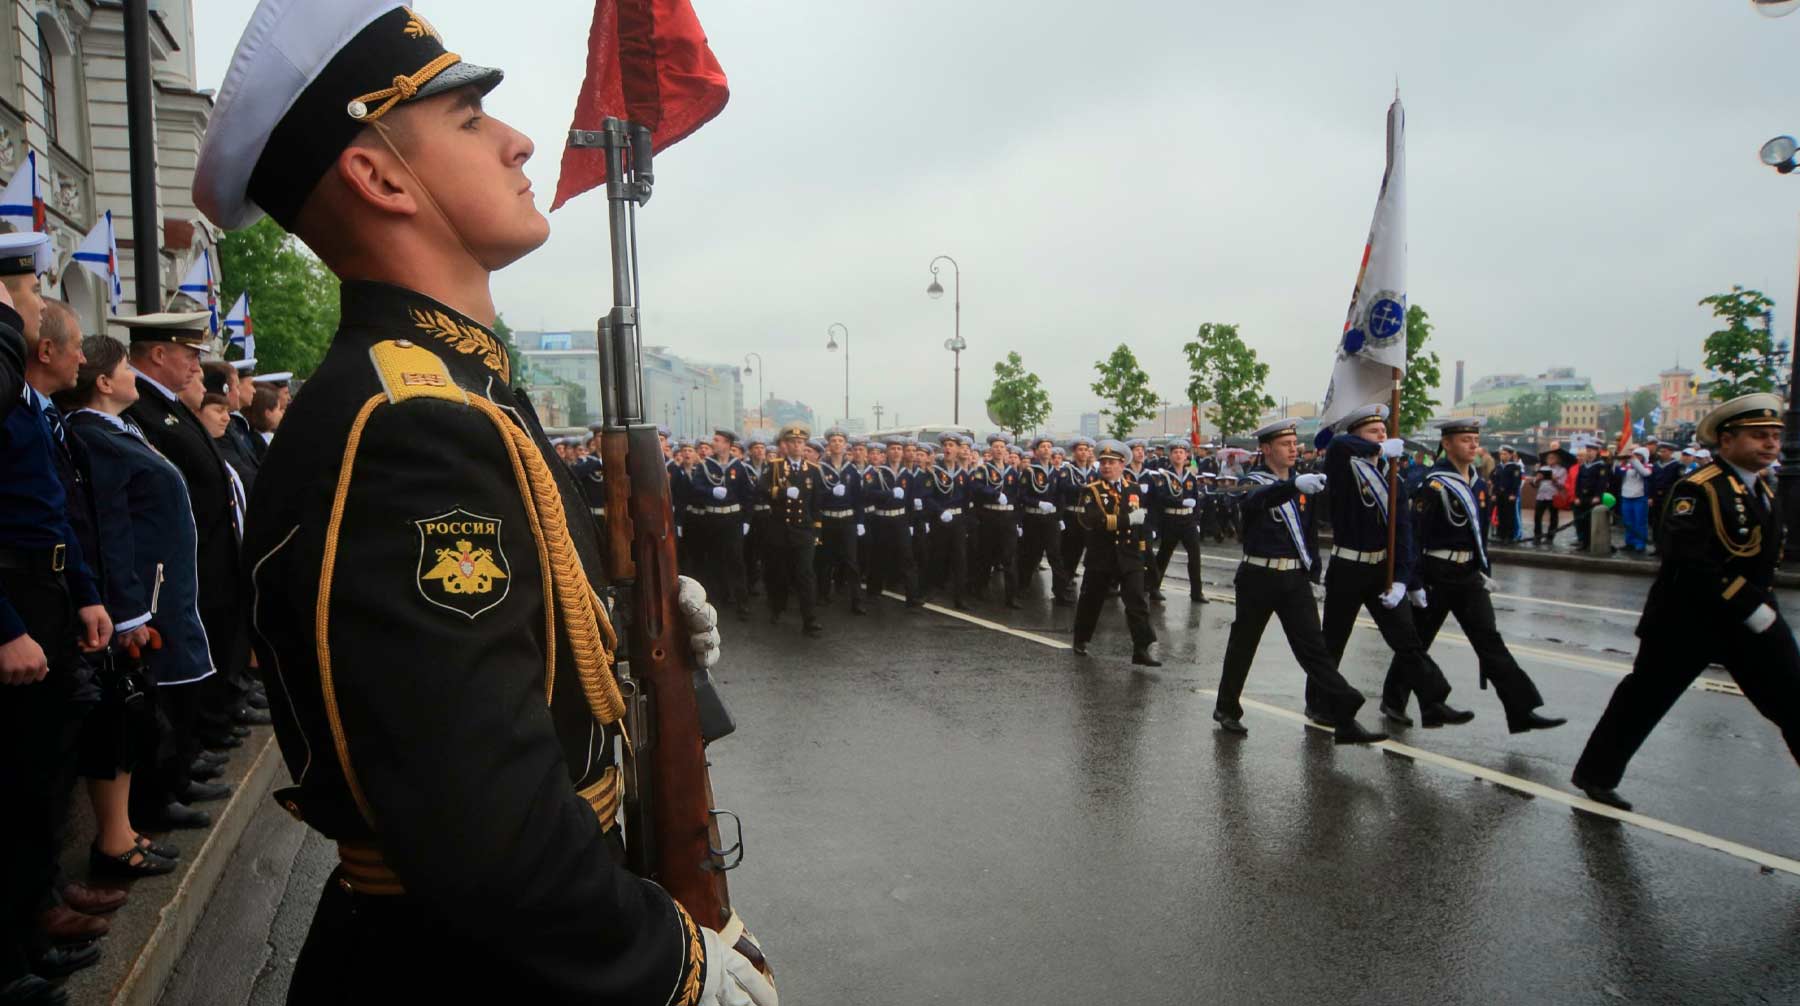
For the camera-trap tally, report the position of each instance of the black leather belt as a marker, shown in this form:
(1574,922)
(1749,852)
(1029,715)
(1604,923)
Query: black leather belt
(37,560)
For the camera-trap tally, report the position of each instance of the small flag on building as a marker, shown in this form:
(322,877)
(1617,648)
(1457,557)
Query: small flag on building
(98,253)
(239,329)
(20,204)
(201,286)
(1371,353)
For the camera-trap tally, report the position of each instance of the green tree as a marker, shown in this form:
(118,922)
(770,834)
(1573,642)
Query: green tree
(1641,401)
(517,364)
(1422,375)
(1742,354)
(1531,408)
(1126,389)
(1224,371)
(1018,398)
(293,297)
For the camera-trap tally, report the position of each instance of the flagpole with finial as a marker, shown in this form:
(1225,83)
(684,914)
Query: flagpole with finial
(1393,530)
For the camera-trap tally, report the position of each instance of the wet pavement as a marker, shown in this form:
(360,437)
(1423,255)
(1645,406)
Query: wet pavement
(937,810)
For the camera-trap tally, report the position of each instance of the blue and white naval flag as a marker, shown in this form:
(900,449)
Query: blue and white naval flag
(201,284)
(98,253)
(1374,339)
(20,204)
(239,329)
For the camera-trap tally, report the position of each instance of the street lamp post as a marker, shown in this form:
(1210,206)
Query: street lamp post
(955,343)
(1780,154)
(759,391)
(878,415)
(831,346)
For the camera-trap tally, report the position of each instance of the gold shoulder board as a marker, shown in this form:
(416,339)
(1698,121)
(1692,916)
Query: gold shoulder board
(409,371)
(1705,474)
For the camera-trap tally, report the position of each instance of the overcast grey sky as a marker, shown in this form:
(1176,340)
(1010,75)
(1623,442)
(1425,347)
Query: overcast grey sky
(1579,175)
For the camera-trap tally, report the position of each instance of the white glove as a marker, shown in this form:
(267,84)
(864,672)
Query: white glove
(1045,506)
(899,492)
(793,492)
(678,530)
(1021,532)
(702,621)
(1060,526)
(918,504)
(1393,596)
(860,531)
(1136,517)
(1310,483)
(1488,584)
(1393,447)
(1144,488)
(1761,619)
(946,516)
(746,529)
(731,980)
(1000,498)
(1189,504)
(1417,597)
(1318,592)
(719,492)
(837,490)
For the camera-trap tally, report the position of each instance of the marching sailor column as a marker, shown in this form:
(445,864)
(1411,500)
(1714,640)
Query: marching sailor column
(1356,580)
(1039,498)
(756,461)
(720,490)
(1075,476)
(793,487)
(946,499)
(1176,491)
(1112,513)
(890,517)
(995,488)
(1449,524)
(840,524)
(1281,563)
(1713,600)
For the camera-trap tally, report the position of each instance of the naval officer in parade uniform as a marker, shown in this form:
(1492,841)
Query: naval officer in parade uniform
(422,568)
(1713,601)
(1112,514)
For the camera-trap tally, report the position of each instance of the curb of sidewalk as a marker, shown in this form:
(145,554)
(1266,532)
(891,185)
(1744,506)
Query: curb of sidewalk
(156,959)
(1517,555)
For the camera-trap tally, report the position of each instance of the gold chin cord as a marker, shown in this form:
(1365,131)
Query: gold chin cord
(425,190)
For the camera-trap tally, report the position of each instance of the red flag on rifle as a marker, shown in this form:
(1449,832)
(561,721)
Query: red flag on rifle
(648,63)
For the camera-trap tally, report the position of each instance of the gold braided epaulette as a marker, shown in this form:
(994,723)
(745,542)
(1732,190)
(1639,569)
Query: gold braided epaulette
(407,371)
(1704,474)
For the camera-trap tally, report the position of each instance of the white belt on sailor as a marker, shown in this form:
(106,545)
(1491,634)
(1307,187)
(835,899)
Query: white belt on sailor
(1268,563)
(598,511)
(1178,510)
(1451,554)
(1352,555)
(997,506)
(733,508)
(838,514)
(954,511)
(891,513)
(761,508)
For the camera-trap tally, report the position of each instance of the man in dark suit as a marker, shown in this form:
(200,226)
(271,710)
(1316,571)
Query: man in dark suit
(165,352)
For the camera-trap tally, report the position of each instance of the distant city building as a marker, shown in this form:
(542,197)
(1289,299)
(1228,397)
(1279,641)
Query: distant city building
(1680,398)
(691,399)
(854,427)
(551,402)
(1493,395)
(1090,424)
(778,412)
(1174,421)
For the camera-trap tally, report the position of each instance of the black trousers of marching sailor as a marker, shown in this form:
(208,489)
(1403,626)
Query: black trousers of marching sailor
(1456,588)
(1352,587)
(1286,594)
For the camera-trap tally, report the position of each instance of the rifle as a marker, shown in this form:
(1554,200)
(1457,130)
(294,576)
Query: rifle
(672,707)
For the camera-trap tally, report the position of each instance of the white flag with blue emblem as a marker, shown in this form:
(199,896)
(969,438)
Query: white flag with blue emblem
(1374,339)
(98,253)
(201,286)
(240,330)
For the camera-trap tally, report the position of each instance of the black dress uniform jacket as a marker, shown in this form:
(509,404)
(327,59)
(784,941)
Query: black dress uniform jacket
(425,686)
(1722,546)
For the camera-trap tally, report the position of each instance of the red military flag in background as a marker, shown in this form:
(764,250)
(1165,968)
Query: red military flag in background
(648,63)
(1194,425)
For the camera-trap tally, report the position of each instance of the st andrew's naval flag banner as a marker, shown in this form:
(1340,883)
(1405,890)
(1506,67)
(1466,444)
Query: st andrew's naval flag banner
(1374,340)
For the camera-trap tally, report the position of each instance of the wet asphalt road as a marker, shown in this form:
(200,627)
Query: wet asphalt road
(938,811)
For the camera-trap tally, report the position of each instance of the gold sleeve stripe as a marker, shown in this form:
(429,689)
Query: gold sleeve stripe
(1736,585)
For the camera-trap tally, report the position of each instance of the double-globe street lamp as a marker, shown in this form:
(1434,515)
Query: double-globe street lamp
(831,346)
(758,371)
(955,343)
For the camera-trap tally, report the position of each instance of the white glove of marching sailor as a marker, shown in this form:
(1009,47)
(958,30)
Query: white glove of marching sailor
(1187,504)
(1021,532)
(1000,498)
(702,621)
(1144,488)
(946,516)
(1488,583)
(1136,517)
(719,492)
(899,492)
(1761,619)
(1045,506)
(793,492)
(1393,447)
(746,529)
(918,504)
(859,530)
(1393,596)
(1310,483)
(1417,597)
(837,490)
(731,980)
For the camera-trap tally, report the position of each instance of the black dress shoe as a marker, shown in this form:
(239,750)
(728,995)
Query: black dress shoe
(134,862)
(220,742)
(1201,599)
(1397,717)
(202,792)
(857,607)
(32,991)
(1439,714)
(246,716)
(59,961)
(256,699)
(1061,602)
(1142,658)
(962,606)
(1157,595)
(1229,724)
(163,849)
(240,731)
(1534,720)
(212,757)
(1013,603)
(813,628)
(1080,647)
(1317,717)
(1352,732)
(915,603)
(205,771)
(177,816)
(1600,794)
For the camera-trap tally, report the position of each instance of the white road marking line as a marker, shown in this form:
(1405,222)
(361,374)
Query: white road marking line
(1764,859)
(1767,860)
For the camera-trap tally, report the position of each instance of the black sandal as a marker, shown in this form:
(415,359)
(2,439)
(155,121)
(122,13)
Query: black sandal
(136,862)
(157,848)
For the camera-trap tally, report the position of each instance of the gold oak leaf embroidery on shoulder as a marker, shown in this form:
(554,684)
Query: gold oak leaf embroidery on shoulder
(465,339)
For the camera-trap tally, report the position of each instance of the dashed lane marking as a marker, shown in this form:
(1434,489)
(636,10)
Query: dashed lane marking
(1767,860)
